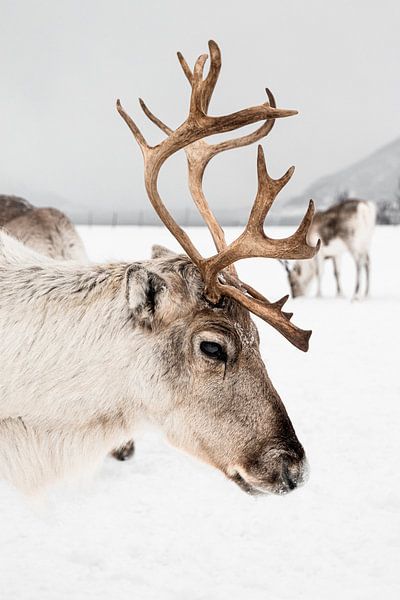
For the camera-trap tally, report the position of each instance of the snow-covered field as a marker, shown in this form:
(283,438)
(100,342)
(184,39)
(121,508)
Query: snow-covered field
(166,527)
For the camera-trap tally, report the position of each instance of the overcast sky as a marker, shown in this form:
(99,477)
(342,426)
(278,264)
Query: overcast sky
(64,63)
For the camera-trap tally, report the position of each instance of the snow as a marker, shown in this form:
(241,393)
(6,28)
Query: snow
(165,526)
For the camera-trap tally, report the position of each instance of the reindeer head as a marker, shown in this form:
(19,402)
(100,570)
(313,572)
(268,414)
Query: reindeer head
(219,402)
(299,276)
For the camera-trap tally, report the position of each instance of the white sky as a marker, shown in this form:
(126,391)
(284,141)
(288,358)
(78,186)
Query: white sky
(64,63)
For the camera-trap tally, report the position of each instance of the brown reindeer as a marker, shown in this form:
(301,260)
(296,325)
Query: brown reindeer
(46,230)
(90,351)
(344,227)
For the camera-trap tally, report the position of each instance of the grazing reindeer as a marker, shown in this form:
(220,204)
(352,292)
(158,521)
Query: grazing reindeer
(49,232)
(347,226)
(89,351)
(46,230)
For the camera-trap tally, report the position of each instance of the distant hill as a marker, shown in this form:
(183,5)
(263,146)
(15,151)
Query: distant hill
(376,177)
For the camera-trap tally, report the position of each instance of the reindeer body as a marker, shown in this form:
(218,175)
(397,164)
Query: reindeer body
(46,230)
(344,227)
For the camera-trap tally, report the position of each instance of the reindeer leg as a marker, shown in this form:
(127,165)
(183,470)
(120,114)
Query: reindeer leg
(124,452)
(320,271)
(336,260)
(358,277)
(367,264)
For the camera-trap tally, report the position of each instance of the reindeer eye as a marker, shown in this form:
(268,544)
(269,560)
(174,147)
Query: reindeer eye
(213,350)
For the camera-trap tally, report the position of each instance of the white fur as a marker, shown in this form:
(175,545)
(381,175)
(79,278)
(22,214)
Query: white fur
(54,337)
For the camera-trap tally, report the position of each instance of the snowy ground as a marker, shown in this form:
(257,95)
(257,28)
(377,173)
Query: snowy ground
(166,527)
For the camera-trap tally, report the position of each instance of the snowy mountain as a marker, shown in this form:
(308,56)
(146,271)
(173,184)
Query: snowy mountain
(376,177)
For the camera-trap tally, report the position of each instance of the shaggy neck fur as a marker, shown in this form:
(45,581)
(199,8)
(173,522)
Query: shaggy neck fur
(45,435)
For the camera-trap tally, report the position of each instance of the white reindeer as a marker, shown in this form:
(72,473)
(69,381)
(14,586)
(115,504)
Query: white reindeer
(89,351)
(345,227)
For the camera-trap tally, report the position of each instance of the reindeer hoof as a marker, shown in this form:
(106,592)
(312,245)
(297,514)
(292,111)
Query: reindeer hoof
(124,452)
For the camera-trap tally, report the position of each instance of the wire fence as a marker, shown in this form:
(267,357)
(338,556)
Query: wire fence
(186,218)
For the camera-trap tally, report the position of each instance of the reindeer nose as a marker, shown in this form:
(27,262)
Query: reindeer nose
(277,469)
(291,474)
(280,470)
(285,471)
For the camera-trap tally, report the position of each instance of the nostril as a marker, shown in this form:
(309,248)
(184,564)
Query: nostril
(292,471)
(289,478)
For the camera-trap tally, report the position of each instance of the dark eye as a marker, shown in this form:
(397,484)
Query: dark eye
(213,350)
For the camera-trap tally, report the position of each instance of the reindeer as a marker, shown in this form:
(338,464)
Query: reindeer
(90,351)
(346,226)
(46,230)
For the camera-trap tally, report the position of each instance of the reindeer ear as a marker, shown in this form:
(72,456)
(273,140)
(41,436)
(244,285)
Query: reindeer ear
(162,252)
(285,264)
(145,292)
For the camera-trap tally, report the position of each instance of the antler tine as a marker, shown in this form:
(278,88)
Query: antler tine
(160,124)
(134,128)
(196,107)
(213,73)
(212,77)
(246,140)
(298,240)
(304,226)
(185,67)
(268,189)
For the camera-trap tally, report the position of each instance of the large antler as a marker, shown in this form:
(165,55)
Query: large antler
(200,153)
(253,241)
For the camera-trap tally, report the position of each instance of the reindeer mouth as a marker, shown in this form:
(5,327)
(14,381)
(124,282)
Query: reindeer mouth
(286,482)
(247,487)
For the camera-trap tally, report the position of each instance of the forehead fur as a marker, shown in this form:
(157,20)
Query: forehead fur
(186,284)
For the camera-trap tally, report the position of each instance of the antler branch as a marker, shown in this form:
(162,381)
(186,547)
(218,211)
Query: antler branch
(253,242)
(199,155)
(271,312)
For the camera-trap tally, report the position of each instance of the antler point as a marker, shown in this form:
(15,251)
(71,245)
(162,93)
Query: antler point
(282,301)
(304,344)
(288,315)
